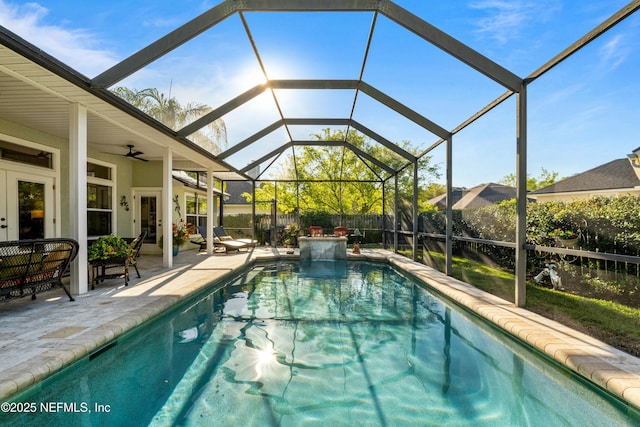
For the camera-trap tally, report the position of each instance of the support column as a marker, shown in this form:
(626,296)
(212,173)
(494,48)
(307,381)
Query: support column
(448,209)
(521,197)
(274,217)
(210,209)
(220,210)
(253,209)
(384,222)
(167,211)
(395,216)
(78,196)
(415,210)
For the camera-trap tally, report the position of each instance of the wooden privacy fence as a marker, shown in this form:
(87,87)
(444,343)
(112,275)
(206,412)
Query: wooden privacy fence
(369,225)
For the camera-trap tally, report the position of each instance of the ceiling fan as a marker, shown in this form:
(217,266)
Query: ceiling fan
(134,154)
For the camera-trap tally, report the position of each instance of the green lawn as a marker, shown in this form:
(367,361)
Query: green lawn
(613,323)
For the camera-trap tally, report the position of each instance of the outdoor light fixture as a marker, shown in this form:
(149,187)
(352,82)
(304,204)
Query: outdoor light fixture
(124,203)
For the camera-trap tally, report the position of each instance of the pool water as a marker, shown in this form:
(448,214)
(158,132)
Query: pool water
(331,343)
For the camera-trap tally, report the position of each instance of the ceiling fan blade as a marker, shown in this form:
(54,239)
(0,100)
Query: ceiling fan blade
(134,154)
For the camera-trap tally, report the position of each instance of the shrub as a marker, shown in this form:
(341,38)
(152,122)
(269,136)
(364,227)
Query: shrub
(110,246)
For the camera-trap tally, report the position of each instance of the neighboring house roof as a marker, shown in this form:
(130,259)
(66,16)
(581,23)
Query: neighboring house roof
(441,201)
(189,181)
(484,195)
(235,190)
(617,174)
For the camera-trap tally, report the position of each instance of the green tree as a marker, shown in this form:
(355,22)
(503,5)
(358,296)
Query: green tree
(545,179)
(350,185)
(432,190)
(168,111)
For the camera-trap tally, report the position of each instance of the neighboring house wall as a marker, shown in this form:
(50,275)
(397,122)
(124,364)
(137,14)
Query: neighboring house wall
(237,209)
(581,195)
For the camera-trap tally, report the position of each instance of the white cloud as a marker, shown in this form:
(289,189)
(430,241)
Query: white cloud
(506,20)
(614,52)
(74,47)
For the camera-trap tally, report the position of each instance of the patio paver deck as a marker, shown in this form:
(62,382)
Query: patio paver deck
(38,338)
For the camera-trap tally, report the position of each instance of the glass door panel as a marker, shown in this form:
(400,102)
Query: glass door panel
(30,210)
(31,213)
(149,218)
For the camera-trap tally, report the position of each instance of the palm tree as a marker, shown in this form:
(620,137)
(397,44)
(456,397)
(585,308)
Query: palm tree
(168,111)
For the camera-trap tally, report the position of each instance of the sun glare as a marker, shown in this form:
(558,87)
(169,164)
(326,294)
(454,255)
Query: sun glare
(266,361)
(250,76)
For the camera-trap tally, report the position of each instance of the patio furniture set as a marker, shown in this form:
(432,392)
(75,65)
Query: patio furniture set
(28,267)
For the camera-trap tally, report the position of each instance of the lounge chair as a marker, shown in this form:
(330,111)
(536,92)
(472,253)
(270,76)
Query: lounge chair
(202,240)
(221,234)
(233,245)
(228,243)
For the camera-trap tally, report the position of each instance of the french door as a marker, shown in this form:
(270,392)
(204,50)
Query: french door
(28,210)
(148,218)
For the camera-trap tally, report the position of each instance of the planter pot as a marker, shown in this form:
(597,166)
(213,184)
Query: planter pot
(568,243)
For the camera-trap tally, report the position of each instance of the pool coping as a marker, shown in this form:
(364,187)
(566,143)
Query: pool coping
(603,365)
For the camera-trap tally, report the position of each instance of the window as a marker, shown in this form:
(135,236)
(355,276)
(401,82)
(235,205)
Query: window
(196,210)
(100,192)
(98,171)
(26,155)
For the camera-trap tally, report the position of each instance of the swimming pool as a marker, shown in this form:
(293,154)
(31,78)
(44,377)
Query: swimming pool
(328,342)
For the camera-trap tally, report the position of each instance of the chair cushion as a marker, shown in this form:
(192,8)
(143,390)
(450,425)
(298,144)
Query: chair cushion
(56,257)
(14,266)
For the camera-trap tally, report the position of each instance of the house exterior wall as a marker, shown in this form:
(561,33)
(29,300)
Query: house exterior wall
(147,174)
(126,173)
(182,192)
(567,197)
(123,179)
(22,135)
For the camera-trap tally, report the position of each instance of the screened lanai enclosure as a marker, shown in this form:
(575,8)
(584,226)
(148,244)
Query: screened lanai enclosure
(433,126)
(339,117)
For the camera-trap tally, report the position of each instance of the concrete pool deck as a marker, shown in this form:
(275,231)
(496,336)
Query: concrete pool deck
(38,338)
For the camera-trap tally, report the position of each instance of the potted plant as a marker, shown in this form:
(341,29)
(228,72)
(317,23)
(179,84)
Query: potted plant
(179,235)
(110,248)
(291,233)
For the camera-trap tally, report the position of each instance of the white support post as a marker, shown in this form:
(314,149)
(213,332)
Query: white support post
(210,211)
(167,211)
(78,196)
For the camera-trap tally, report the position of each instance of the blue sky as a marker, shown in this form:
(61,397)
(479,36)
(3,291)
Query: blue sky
(581,114)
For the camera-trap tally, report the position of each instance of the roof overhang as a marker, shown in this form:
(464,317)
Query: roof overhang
(38,92)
